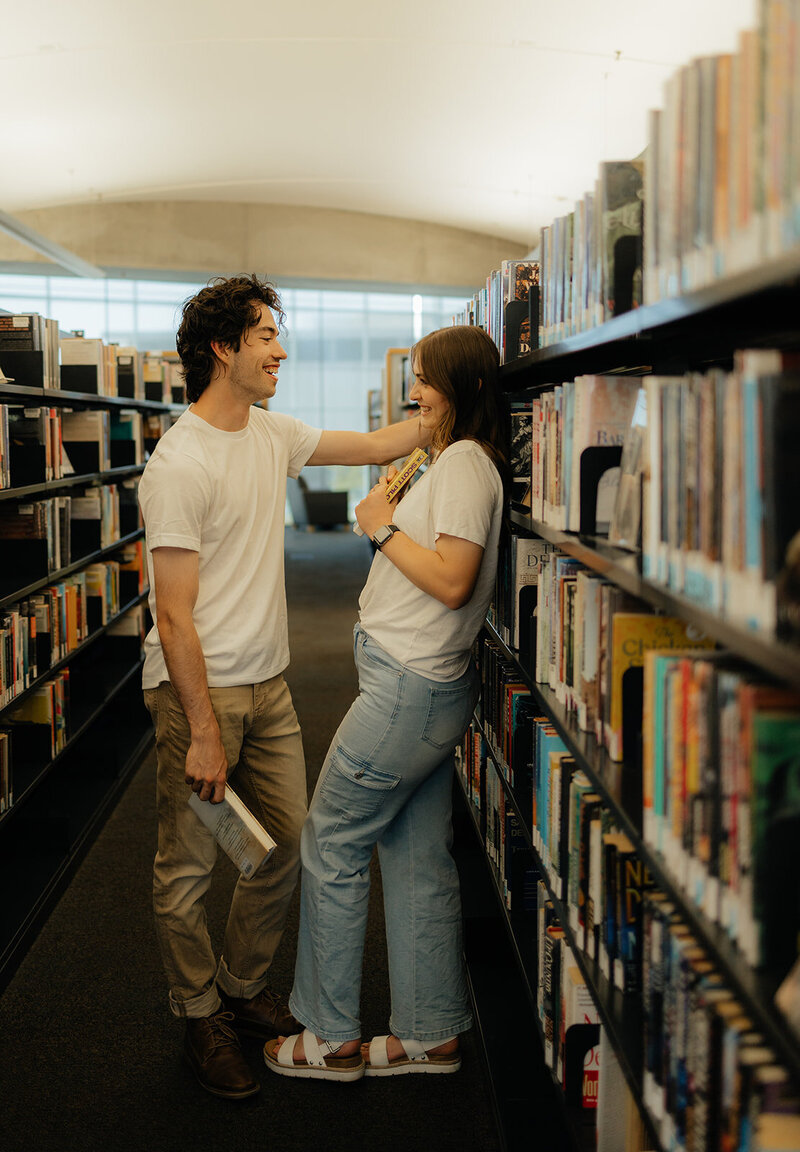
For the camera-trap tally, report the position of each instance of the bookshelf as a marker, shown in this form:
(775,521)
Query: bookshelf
(756,308)
(61,793)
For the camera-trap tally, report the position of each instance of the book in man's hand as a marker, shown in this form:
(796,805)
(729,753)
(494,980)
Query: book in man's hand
(236,830)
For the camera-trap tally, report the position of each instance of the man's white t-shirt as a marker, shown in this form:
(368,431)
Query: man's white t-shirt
(223,495)
(461,495)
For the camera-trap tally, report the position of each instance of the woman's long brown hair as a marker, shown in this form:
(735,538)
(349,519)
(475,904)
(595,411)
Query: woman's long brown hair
(462,364)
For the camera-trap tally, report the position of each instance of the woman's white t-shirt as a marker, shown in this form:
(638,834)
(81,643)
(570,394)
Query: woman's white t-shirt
(223,495)
(461,495)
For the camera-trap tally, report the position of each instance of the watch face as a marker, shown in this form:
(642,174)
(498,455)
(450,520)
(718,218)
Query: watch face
(384,533)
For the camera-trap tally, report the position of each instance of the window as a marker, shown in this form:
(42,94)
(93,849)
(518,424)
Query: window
(335,339)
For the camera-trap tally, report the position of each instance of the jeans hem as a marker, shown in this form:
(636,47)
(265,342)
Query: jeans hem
(331,1035)
(428,1035)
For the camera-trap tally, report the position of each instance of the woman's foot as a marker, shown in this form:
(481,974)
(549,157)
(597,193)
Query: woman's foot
(391,1056)
(304,1054)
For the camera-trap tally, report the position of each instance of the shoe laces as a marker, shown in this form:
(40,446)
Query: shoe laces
(270,998)
(220,1033)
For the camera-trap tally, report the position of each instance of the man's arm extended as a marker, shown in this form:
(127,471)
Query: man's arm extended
(175,572)
(378,447)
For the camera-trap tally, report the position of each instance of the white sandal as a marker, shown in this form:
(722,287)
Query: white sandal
(417,1058)
(319,1059)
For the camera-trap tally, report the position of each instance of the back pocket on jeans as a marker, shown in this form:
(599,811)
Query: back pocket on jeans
(354,789)
(449,713)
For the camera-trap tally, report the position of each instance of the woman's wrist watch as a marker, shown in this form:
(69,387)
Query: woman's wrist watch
(384,533)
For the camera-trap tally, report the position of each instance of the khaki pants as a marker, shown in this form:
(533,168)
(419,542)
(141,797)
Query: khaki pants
(262,741)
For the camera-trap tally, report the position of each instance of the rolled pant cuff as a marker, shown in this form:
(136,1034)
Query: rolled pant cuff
(206,1004)
(234,986)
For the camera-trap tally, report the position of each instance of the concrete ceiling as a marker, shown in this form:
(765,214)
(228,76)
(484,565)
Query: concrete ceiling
(490,115)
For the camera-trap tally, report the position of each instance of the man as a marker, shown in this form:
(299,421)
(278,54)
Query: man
(213,496)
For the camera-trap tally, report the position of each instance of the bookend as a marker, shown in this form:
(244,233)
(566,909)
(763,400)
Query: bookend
(528,599)
(26,368)
(594,463)
(31,745)
(84,455)
(128,585)
(28,463)
(80,378)
(94,613)
(24,562)
(44,651)
(123,452)
(579,1040)
(631,797)
(522,325)
(86,538)
(126,378)
(627,268)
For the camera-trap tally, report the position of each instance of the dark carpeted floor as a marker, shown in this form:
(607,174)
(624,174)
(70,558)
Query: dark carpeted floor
(90,1054)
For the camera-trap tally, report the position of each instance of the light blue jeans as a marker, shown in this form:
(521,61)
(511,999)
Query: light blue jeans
(386,780)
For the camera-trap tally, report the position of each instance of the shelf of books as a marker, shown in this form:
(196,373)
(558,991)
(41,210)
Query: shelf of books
(77,419)
(621,813)
(638,754)
(635,767)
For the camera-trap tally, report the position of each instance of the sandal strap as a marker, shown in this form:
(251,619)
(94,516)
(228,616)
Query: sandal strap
(415,1050)
(378,1054)
(285,1053)
(314,1051)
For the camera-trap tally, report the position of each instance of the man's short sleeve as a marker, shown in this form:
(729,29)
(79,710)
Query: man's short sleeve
(301,438)
(173,498)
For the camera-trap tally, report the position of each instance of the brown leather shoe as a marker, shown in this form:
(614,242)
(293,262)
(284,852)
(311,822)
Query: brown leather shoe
(215,1055)
(263,1017)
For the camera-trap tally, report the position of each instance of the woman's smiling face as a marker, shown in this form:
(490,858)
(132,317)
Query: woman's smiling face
(433,406)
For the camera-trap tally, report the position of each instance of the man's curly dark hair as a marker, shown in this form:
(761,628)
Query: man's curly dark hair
(222,311)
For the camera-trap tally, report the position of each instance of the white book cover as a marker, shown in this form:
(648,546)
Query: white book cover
(236,830)
(601,412)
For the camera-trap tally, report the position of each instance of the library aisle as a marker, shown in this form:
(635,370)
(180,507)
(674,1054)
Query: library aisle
(91,1058)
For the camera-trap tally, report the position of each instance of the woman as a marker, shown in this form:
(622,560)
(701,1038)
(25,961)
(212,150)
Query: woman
(387,777)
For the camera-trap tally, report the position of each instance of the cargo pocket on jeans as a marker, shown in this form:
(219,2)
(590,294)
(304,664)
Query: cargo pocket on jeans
(354,789)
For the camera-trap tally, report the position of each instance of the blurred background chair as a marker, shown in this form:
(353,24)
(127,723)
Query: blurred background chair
(312,508)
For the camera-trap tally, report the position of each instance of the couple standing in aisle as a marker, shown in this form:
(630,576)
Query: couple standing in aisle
(213,496)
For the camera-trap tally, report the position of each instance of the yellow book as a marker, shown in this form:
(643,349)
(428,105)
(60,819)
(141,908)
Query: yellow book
(400,479)
(632,634)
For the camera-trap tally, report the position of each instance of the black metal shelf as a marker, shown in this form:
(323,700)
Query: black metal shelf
(753,988)
(60,398)
(742,310)
(521,938)
(74,736)
(50,486)
(49,875)
(771,655)
(754,308)
(14,391)
(83,562)
(621,1016)
(60,803)
(140,598)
